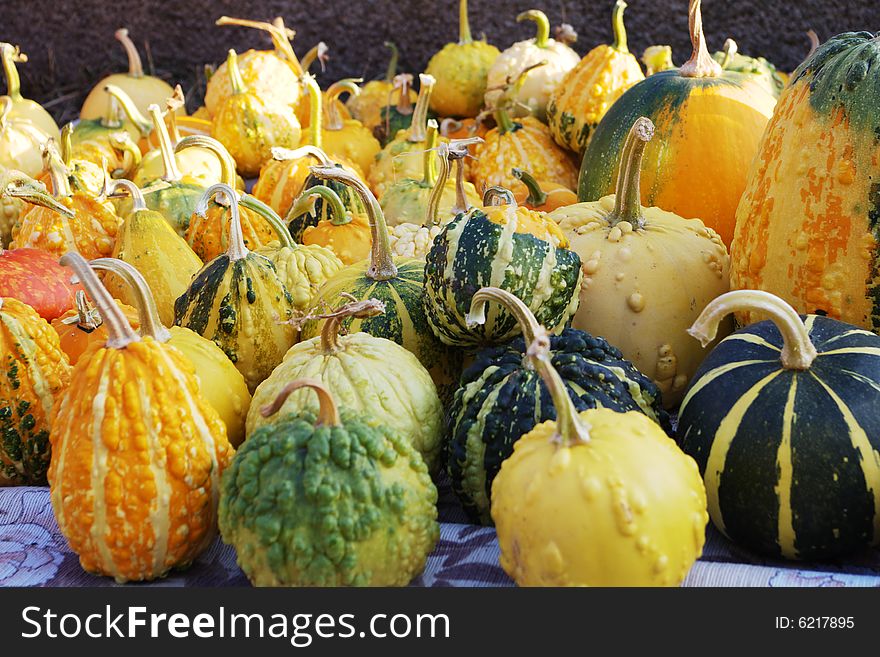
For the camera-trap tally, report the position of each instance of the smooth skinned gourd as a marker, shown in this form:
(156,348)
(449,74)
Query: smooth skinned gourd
(137,453)
(109,141)
(541,195)
(501,397)
(347,139)
(35,277)
(36,371)
(82,327)
(647,274)
(377,95)
(781,419)
(354,368)
(21,141)
(21,106)
(238,301)
(328,500)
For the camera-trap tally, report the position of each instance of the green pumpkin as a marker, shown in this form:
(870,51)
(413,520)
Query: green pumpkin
(782,420)
(332,500)
(238,301)
(500,398)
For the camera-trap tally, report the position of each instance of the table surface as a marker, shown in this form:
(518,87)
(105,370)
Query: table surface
(34,553)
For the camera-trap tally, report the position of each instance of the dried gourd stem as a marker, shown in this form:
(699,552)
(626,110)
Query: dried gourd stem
(402,84)
(148,315)
(355,309)
(529,325)
(119,331)
(458,150)
(131,154)
(270,216)
(317,53)
(814,42)
(391,71)
(432,216)
(87,317)
(620,44)
(135,67)
(10,54)
(282,154)
(348,85)
(114,115)
(142,123)
(419,123)
(571,430)
(798,352)
(234,73)
(166,149)
(137,198)
(20,185)
(280,35)
(328,413)
(316,117)
(429,163)
(627,200)
(540,19)
(537,196)
(382,267)
(497,195)
(175,102)
(226,195)
(58,173)
(730,49)
(464,24)
(227,164)
(701,64)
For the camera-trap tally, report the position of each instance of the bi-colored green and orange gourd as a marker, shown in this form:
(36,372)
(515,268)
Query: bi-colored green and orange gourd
(22,107)
(583,96)
(807,224)
(137,453)
(35,372)
(709,124)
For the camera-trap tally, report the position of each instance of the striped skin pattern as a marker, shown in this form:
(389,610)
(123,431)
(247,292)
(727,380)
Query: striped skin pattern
(208,235)
(807,225)
(281,182)
(243,306)
(137,459)
(501,399)
(35,277)
(35,370)
(790,459)
(473,252)
(707,132)
(403,321)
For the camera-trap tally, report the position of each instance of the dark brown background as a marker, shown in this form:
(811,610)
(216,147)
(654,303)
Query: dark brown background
(71,43)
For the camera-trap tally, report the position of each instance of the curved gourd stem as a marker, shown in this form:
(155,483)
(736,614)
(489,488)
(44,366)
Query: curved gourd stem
(382,267)
(234,73)
(401,84)
(701,64)
(508,98)
(627,200)
(114,115)
(620,44)
(391,71)
(814,42)
(175,102)
(328,413)
(20,185)
(148,315)
(282,154)
(543,24)
(135,67)
(143,125)
(432,216)
(227,164)
(119,331)
(429,163)
(58,173)
(537,196)
(798,352)
(420,115)
(122,142)
(729,49)
(10,54)
(270,216)
(237,249)
(280,35)
(339,216)
(137,198)
(317,53)
(498,196)
(357,309)
(529,325)
(571,430)
(87,317)
(458,150)
(316,117)
(348,85)
(166,149)
(464,24)
(66,145)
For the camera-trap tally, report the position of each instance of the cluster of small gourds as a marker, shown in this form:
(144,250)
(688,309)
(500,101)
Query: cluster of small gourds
(332,325)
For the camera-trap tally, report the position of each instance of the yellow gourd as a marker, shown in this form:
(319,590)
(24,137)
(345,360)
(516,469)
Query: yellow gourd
(109,141)
(22,107)
(367,106)
(347,139)
(21,141)
(346,233)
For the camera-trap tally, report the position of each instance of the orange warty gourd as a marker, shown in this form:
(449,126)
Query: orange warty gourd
(81,328)
(137,453)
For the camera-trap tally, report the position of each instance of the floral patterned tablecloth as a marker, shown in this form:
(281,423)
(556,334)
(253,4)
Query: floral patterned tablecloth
(34,553)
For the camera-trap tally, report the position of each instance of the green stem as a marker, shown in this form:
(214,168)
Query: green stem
(429,163)
(280,37)
(464,25)
(328,413)
(391,71)
(166,149)
(137,198)
(498,196)
(235,79)
(505,123)
(143,125)
(119,331)
(135,67)
(382,267)
(798,352)
(227,164)
(19,185)
(419,123)
(66,143)
(10,53)
(432,217)
(617,25)
(315,110)
(271,217)
(148,315)
(333,321)
(628,200)
(701,64)
(537,197)
(339,216)
(237,249)
(348,85)
(528,324)
(540,19)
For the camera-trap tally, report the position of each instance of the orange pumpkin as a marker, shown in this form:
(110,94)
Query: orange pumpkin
(82,327)
(346,233)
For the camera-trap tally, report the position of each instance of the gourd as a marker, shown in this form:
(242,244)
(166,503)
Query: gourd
(109,141)
(347,139)
(709,125)
(581,99)
(10,210)
(249,127)
(64,220)
(221,385)
(461,70)
(505,246)
(22,107)
(500,397)
(731,59)
(35,277)
(540,195)
(35,372)
(806,221)
(468,129)
(394,118)
(304,110)
(238,301)
(396,282)
(346,233)
(273,75)
(656,59)
(21,141)
(781,419)
(354,368)
(137,453)
(375,529)
(596,498)
(161,256)
(144,90)
(82,327)
(556,57)
(377,95)
(81,173)
(647,273)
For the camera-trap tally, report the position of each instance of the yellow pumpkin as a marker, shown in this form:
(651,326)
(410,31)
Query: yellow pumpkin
(347,139)
(22,107)
(21,141)
(367,106)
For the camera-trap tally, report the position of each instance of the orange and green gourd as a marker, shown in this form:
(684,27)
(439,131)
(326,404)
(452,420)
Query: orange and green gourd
(21,106)
(347,139)
(347,234)
(460,70)
(808,224)
(82,328)
(137,453)
(539,195)
(709,124)
(35,372)
(249,126)
(109,139)
(21,141)
(585,94)
(378,95)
